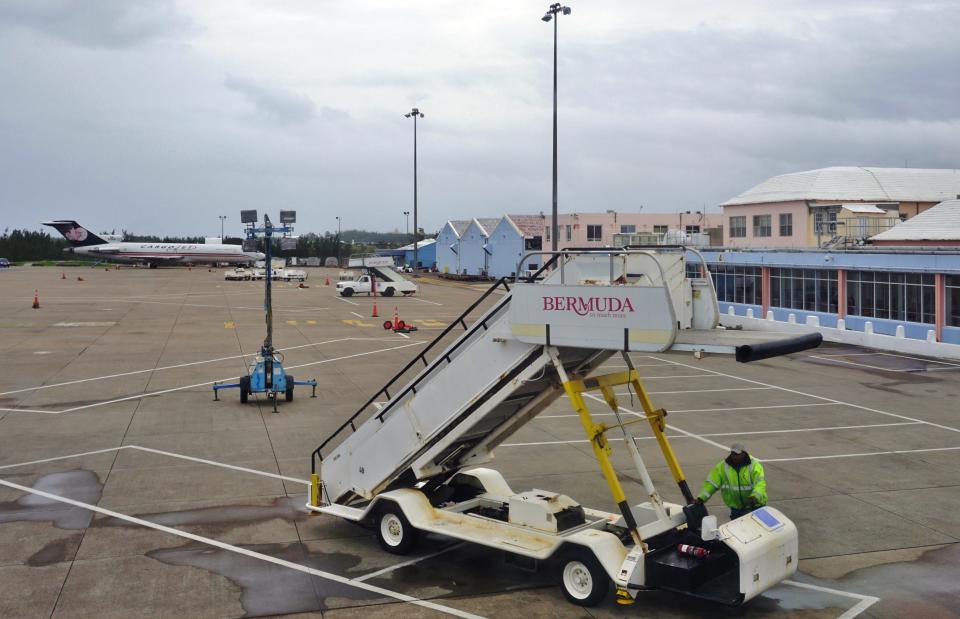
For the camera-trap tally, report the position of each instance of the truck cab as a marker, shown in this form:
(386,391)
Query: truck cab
(386,287)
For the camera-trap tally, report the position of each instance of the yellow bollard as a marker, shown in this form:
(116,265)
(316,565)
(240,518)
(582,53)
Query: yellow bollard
(315,490)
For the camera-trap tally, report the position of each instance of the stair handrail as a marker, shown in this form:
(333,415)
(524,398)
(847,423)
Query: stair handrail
(461,320)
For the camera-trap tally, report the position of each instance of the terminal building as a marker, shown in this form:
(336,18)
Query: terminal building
(833,207)
(914,288)
(494,247)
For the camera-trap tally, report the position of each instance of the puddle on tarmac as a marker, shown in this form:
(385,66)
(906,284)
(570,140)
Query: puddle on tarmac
(220,518)
(270,589)
(926,587)
(79,485)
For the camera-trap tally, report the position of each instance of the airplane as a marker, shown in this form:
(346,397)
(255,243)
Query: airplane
(84,242)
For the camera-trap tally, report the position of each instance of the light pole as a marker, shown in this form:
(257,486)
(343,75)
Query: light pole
(407,215)
(222,218)
(553,12)
(415,113)
(338,241)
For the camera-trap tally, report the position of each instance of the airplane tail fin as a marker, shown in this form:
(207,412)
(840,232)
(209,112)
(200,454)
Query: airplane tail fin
(76,235)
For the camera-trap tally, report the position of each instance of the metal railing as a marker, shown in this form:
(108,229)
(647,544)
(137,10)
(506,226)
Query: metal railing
(351,423)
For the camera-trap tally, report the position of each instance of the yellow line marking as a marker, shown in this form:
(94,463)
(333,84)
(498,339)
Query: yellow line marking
(292,323)
(357,323)
(311,322)
(229,324)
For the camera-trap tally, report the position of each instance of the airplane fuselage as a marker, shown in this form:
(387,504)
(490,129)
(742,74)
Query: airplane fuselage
(169,253)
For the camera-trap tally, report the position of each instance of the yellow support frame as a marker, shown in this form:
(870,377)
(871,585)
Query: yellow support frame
(596,432)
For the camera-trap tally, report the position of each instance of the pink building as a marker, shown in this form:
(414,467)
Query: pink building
(832,206)
(597,229)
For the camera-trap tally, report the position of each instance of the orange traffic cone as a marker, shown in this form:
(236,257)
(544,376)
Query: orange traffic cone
(36,299)
(374,314)
(80,279)
(327,282)
(63,275)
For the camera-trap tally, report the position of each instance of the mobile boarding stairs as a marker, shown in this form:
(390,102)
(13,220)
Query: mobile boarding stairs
(411,459)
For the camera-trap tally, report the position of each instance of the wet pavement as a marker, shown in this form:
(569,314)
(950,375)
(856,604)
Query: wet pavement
(861,448)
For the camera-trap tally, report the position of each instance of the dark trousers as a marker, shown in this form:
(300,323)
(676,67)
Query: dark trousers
(736,513)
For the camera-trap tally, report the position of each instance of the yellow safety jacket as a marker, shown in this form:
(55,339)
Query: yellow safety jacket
(737,486)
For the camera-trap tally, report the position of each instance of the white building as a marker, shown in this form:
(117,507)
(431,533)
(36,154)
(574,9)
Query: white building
(448,245)
(474,251)
(514,236)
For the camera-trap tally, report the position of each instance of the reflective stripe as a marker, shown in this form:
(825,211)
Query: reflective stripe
(710,481)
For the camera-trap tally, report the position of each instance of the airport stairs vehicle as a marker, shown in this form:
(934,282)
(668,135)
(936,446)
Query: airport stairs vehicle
(410,459)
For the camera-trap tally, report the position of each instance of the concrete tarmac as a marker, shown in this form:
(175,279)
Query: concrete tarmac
(127,491)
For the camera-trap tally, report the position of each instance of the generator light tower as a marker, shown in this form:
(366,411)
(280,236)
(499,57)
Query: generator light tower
(266,374)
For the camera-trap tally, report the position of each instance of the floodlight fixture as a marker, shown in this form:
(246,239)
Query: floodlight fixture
(248,217)
(547,17)
(288,243)
(288,217)
(566,10)
(249,245)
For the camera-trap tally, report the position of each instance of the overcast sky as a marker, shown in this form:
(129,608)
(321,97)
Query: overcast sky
(159,115)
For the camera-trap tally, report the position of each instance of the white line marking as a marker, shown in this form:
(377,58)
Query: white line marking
(704,390)
(219,464)
(715,434)
(54,459)
(860,455)
(188,364)
(243,551)
(358,315)
(404,335)
(890,354)
(140,396)
(866,601)
(424,301)
(878,367)
(712,410)
(636,365)
(391,568)
(346,300)
(678,429)
(818,397)
(678,376)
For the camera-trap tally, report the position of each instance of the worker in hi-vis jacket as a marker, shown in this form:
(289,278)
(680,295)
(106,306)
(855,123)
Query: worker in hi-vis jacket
(739,478)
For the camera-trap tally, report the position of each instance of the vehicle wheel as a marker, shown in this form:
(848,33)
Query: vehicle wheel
(583,579)
(346,292)
(388,292)
(289,393)
(244,388)
(387,325)
(394,532)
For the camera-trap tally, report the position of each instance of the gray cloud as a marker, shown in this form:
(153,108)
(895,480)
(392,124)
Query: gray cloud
(275,104)
(667,106)
(96,23)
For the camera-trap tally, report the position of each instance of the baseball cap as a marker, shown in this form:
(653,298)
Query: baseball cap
(737,448)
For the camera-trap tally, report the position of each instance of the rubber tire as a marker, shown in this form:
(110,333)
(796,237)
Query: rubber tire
(346,292)
(598,581)
(387,325)
(288,396)
(388,292)
(407,534)
(244,388)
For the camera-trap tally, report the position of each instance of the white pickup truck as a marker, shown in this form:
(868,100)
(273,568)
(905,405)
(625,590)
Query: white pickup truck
(386,287)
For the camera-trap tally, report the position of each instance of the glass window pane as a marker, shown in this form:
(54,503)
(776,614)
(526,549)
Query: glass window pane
(853,298)
(928,305)
(866,299)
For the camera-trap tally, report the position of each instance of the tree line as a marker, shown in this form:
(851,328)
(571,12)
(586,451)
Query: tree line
(26,245)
